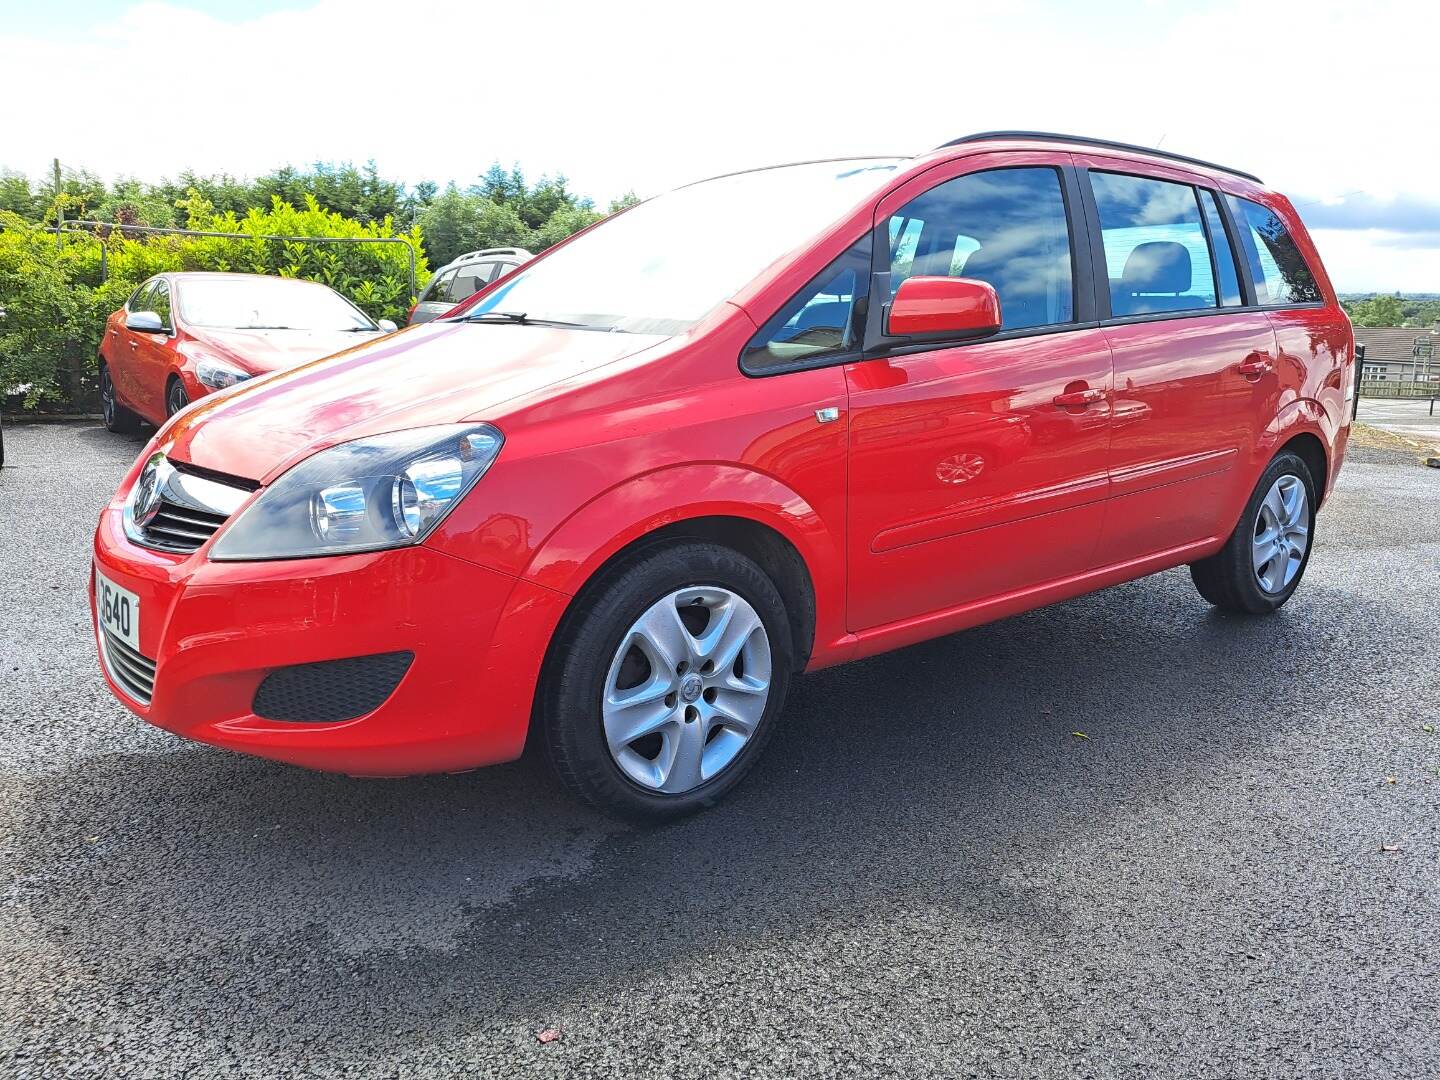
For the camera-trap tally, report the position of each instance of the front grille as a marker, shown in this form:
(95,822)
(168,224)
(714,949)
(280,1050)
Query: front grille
(181,528)
(136,673)
(332,690)
(178,507)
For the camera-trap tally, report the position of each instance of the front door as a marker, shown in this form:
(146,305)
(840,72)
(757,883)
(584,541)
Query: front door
(154,354)
(978,469)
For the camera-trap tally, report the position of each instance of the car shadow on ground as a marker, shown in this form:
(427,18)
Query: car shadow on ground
(432,903)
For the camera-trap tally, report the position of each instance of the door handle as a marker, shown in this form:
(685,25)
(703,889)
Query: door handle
(1255,366)
(1078,399)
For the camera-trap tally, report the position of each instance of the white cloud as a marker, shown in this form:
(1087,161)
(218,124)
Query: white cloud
(646,95)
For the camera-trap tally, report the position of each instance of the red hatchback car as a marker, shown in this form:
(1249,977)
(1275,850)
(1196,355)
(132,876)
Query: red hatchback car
(760,425)
(180,336)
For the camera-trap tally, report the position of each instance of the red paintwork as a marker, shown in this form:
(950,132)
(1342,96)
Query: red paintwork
(141,365)
(963,482)
(944,305)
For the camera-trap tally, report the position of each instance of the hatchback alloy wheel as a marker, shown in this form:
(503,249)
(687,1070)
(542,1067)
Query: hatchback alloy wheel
(686,689)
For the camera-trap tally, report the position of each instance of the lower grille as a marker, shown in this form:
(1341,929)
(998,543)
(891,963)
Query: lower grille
(332,690)
(136,673)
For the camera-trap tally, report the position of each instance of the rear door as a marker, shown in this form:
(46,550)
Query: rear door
(1194,362)
(972,474)
(1315,345)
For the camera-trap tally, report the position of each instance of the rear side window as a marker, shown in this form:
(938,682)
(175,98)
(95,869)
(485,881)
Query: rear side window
(824,319)
(1225,272)
(1279,270)
(1003,226)
(1156,256)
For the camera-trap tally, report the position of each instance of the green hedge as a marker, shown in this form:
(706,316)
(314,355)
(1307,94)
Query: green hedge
(56,304)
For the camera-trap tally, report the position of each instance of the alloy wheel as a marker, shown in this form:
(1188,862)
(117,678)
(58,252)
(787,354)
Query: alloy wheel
(686,689)
(1282,534)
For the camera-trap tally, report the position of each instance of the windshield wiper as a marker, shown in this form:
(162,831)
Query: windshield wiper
(520,318)
(257,326)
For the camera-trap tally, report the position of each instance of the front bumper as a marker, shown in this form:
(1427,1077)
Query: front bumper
(215,630)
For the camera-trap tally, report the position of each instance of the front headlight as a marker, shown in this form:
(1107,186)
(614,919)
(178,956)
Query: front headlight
(382,492)
(217,375)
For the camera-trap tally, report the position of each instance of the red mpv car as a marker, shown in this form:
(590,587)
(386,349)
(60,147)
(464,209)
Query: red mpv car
(760,425)
(182,335)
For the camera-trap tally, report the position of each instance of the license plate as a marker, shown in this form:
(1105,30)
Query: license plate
(119,610)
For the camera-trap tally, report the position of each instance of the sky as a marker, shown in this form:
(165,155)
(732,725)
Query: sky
(618,95)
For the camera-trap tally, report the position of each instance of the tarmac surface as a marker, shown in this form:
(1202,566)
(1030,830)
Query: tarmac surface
(1234,872)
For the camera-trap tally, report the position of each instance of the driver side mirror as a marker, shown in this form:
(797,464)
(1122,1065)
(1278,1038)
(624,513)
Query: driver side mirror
(145,322)
(943,307)
(387,325)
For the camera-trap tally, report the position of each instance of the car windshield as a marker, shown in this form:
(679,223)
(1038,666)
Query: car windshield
(262,303)
(659,267)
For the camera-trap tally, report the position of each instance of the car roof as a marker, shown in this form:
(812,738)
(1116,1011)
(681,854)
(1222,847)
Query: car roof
(486,253)
(1056,140)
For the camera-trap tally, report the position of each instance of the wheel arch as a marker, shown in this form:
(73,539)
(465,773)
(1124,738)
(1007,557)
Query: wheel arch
(742,509)
(1307,446)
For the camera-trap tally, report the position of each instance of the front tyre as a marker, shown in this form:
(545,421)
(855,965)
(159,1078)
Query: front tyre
(1262,563)
(175,397)
(665,683)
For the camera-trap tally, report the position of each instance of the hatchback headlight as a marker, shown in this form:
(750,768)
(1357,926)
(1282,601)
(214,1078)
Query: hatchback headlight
(217,375)
(383,492)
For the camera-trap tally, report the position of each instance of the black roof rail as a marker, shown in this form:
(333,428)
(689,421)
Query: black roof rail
(1109,144)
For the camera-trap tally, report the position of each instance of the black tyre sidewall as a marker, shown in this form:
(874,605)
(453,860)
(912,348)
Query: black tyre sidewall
(572,731)
(1237,558)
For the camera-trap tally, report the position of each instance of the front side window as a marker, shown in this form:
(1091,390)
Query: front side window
(159,301)
(137,298)
(826,318)
(439,290)
(1279,271)
(1156,257)
(1003,226)
(469,280)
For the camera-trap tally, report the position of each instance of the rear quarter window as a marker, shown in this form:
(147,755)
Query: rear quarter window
(1279,270)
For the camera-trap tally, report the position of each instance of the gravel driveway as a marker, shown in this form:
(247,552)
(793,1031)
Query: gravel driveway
(1235,873)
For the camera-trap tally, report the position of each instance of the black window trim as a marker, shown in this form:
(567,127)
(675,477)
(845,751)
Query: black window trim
(1091,290)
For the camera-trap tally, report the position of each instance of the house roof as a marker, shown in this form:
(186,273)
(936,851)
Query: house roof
(1394,342)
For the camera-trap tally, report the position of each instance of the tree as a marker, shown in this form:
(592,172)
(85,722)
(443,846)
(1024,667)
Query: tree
(1377,311)
(16,195)
(457,222)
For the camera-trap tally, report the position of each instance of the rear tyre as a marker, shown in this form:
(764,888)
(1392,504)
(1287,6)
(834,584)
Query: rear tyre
(175,397)
(1262,563)
(117,418)
(666,681)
